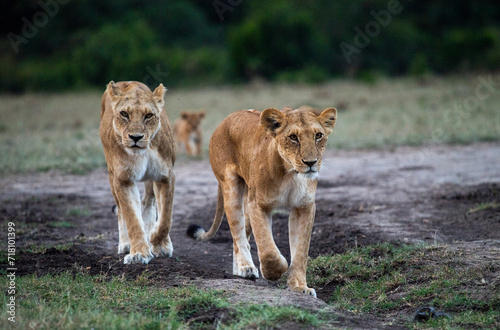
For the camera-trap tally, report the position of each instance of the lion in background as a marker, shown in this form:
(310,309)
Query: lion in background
(138,146)
(187,132)
(262,161)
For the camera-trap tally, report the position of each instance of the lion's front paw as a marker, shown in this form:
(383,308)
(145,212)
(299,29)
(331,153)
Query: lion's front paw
(161,247)
(139,254)
(248,272)
(123,248)
(137,258)
(310,291)
(300,286)
(306,290)
(164,249)
(272,267)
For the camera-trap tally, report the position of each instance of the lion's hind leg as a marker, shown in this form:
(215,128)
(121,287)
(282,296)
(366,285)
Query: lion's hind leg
(248,225)
(233,190)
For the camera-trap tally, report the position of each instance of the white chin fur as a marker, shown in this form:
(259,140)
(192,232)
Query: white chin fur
(135,151)
(311,175)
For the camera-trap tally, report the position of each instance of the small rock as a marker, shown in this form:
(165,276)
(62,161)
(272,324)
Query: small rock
(424,314)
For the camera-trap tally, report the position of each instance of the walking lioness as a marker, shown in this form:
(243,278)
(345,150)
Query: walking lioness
(138,146)
(187,131)
(263,161)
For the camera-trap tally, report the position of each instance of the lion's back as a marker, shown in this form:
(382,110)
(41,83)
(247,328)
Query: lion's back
(234,140)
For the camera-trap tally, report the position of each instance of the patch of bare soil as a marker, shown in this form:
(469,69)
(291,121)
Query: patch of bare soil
(440,194)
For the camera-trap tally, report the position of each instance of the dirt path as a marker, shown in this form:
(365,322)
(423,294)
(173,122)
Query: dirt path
(364,197)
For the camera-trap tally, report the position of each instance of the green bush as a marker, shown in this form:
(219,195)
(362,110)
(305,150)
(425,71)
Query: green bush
(394,49)
(10,79)
(117,52)
(491,58)
(420,65)
(54,74)
(195,67)
(274,39)
(469,49)
(180,23)
(311,74)
(91,42)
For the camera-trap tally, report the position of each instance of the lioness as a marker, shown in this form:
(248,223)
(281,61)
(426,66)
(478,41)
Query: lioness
(187,128)
(138,146)
(263,161)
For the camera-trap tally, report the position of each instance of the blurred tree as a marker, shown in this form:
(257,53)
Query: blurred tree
(273,38)
(89,42)
(116,52)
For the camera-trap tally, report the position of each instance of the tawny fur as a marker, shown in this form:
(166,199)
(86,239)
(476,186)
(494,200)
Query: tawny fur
(263,161)
(138,146)
(187,129)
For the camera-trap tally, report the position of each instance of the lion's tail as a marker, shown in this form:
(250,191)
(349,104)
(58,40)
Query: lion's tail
(198,233)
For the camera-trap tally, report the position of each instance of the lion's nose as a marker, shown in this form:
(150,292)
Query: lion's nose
(136,137)
(310,163)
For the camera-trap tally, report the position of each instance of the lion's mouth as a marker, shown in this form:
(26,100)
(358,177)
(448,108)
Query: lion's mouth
(311,174)
(309,171)
(137,146)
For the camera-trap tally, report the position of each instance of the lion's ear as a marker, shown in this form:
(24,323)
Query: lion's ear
(158,96)
(202,114)
(114,91)
(327,119)
(272,119)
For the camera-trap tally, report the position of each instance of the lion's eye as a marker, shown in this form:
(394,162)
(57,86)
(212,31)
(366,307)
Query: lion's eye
(148,116)
(294,137)
(319,136)
(124,114)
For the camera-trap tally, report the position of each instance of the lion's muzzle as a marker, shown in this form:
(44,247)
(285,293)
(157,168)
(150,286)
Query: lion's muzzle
(136,137)
(136,141)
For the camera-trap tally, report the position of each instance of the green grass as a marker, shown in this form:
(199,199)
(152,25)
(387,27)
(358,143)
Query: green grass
(35,248)
(76,301)
(41,132)
(484,206)
(79,212)
(60,224)
(263,316)
(386,279)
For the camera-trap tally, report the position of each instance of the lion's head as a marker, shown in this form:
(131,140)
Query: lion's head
(193,119)
(136,113)
(300,136)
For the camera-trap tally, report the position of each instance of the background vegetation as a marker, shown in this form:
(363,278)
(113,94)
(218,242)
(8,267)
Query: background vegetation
(391,113)
(88,43)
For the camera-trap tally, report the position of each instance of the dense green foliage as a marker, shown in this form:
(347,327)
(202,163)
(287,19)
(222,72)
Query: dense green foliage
(62,44)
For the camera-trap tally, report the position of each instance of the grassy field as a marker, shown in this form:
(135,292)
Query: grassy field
(40,132)
(385,280)
(77,301)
